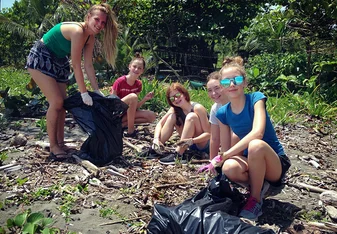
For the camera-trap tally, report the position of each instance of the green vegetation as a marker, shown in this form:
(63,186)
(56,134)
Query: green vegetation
(29,223)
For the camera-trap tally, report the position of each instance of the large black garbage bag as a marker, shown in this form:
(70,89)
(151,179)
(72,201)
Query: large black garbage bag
(211,210)
(102,122)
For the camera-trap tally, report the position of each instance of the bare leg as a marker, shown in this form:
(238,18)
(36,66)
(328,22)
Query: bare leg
(131,100)
(54,95)
(144,116)
(192,128)
(61,119)
(263,163)
(168,128)
(236,169)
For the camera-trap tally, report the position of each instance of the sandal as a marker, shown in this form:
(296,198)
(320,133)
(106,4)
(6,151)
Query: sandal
(57,157)
(65,147)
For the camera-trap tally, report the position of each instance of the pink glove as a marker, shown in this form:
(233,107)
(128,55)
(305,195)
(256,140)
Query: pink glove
(207,168)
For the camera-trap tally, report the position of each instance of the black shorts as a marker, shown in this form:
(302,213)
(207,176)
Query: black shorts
(41,59)
(285,164)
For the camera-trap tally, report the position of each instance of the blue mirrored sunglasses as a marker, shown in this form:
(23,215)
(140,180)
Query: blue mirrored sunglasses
(226,82)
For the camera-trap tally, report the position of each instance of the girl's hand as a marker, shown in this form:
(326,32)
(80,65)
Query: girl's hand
(148,96)
(157,146)
(208,168)
(185,142)
(86,99)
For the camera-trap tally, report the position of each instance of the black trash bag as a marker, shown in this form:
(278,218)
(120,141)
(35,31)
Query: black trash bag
(103,123)
(210,211)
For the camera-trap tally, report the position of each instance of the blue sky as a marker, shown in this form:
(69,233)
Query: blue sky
(7,3)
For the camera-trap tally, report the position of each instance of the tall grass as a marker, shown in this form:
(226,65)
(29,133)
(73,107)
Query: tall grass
(16,80)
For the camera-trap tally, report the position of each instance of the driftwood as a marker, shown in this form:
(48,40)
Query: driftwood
(132,145)
(326,226)
(86,164)
(123,220)
(308,187)
(7,166)
(200,161)
(113,172)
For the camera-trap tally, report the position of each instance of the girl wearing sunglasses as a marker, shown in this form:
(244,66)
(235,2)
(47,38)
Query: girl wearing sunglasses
(264,161)
(216,92)
(188,118)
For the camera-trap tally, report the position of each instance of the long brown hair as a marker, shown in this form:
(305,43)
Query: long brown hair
(181,89)
(110,31)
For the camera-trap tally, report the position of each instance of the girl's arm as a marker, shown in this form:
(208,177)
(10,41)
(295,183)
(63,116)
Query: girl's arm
(257,132)
(147,97)
(205,125)
(215,141)
(225,136)
(88,66)
(114,92)
(77,43)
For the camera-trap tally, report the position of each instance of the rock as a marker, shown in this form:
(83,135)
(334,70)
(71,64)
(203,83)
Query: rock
(329,198)
(19,140)
(332,212)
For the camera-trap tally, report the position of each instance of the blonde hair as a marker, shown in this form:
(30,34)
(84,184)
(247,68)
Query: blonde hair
(234,62)
(110,32)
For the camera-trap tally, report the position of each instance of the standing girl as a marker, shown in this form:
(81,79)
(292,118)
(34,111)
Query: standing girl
(48,64)
(263,159)
(188,118)
(127,88)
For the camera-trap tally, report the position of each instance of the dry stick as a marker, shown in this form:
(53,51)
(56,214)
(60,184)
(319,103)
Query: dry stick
(169,185)
(132,146)
(307,186)
(7,166)
(332,172)
(326,226)
(122,221)
(86,164)
(196,161)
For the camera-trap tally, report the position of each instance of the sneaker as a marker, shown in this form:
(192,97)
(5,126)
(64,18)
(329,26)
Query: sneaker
(252,210)
(172,158)
(133,135)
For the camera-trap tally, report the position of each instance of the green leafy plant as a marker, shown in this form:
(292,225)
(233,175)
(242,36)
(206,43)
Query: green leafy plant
(30,223)
(42,124)
(21,181)
(3,157)
(68,203)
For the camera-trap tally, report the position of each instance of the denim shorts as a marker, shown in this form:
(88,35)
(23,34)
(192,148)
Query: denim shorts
(196,148)
(41,59)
